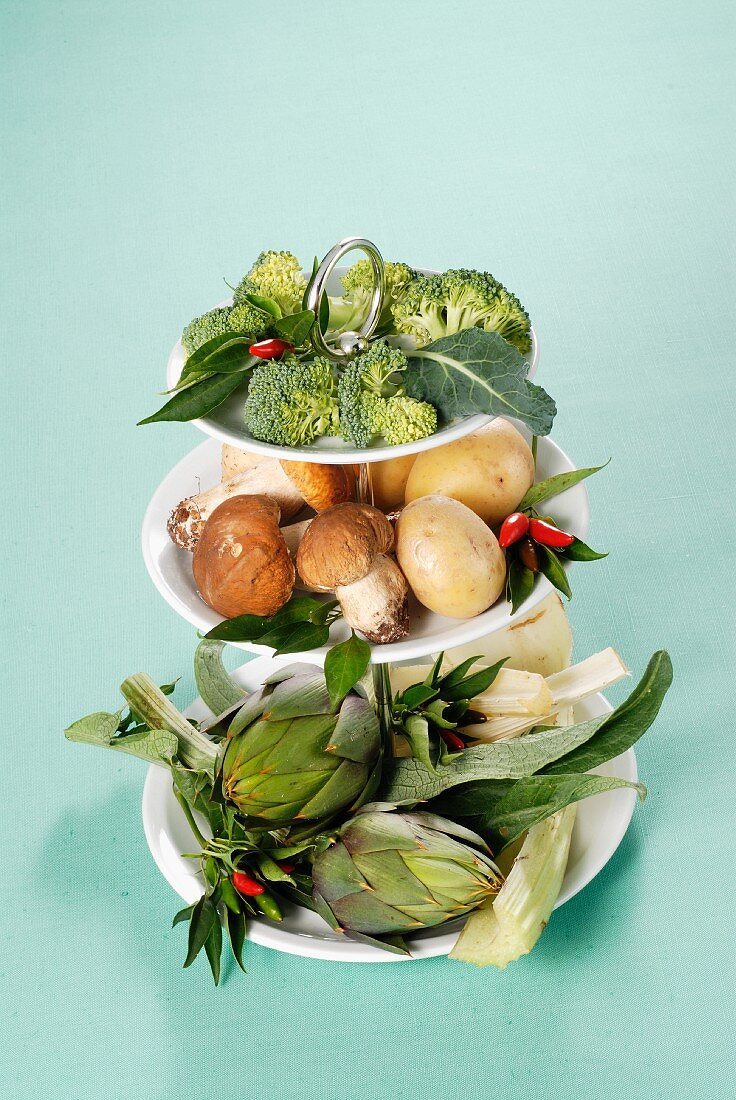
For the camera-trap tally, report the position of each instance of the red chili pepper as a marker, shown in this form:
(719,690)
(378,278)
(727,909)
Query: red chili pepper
(270,349)
(287,868)
(247,886)
(513,528)
(546,534)
(452,740)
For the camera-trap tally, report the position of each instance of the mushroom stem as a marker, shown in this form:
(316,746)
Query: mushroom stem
(187,521)
(293,535)
(378,604)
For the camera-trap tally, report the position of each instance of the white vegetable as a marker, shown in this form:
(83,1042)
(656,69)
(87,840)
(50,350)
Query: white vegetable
(509,927)
(565,688)
(524,694)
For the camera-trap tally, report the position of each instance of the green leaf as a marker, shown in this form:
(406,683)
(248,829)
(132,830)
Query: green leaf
(223,354)
(551,566)
(236,933)
(580,551)
(295,328)
(197,400)
(94,729)
(407,781)
(213,949)
(456,674)
(625,726)
(416,729)
(214,683)
(553,486)
(241,628)
(182,915)
(417,694)
(520,583)
(473,685)
(345,663)
(315,267)
(293,638)
(537,797)
(475,371)
(204,916)
(155,746)
(251,628)
(301,609)
(268,305)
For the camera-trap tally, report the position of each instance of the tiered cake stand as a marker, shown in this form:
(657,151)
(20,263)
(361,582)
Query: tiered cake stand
(170,569)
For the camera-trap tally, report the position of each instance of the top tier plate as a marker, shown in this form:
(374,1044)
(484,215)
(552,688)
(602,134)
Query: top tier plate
(227,422)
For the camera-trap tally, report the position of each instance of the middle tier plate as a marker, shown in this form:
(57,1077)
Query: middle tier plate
(170,568)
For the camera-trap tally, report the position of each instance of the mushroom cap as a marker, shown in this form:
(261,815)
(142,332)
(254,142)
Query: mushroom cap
(241,563)
(340,545)
(321,486)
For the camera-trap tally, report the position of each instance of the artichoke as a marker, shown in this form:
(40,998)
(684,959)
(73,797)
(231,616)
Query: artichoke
(290,758)
(393,872)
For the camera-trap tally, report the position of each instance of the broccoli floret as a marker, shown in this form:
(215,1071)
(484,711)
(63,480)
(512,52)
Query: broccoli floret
(403,419)
(291,402)
(240,318)
(372,400)
(349,312)
(359,406)
(276,275)
(204,328)
(432,306)
(247,318)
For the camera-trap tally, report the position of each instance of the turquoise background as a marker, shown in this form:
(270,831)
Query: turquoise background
(582,152)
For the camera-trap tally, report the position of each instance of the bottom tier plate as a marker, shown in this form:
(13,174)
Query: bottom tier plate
(599,828)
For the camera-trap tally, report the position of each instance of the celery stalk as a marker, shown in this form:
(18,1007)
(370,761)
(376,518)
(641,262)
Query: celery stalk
(158,712)
(565,688)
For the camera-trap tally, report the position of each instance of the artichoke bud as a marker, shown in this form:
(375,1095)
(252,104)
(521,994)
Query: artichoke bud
(298,761)
(398,872)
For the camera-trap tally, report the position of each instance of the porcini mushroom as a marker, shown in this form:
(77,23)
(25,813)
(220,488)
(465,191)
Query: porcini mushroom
(241,563)
(303,483)
(345,550)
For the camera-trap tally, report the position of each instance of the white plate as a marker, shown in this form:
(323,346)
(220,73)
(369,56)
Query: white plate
(227,423)
(599,828)
(171,568)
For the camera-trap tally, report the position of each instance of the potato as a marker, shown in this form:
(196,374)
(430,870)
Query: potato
(489,471)
(451,560)
(388,481)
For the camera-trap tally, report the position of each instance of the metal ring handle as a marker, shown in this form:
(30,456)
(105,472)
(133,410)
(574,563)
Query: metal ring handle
(317,286)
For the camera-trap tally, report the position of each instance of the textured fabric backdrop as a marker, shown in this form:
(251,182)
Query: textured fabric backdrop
(582,152)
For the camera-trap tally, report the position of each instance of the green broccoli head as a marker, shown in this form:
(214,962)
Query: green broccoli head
(204,328)
(432,306)
(420,310)
(249,319)
(240,318)
(290,402)
(276,275)
(372,400)
(359,406)
(402,419)
(349,312)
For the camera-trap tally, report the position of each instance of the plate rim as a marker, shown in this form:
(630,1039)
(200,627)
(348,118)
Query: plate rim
(267,934)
